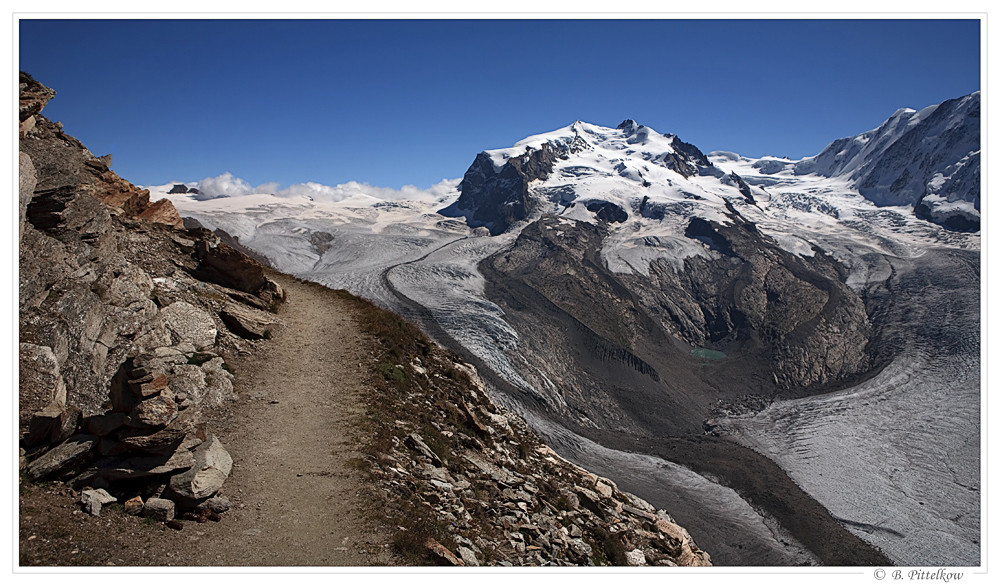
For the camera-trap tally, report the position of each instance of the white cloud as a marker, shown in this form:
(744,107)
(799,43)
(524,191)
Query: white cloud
(227,184)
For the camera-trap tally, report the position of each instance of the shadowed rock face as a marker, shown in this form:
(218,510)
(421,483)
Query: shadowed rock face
(619,345)
(497,199)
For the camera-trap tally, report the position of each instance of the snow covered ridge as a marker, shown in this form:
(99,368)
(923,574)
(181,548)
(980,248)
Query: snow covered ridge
(927,159)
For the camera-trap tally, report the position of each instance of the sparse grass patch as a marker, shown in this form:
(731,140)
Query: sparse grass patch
(436,442)
(359,463)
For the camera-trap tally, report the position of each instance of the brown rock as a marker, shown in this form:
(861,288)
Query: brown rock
(163,441)
(640,513)
(248,323)
(416,442)
(53,424)
(102,425)
(121,194)
(133,506)
(603,489)
(473,420)
(149,385)
(162,212)
(112,469)
(33,96)
(687,554)
(226,266)
(442,553)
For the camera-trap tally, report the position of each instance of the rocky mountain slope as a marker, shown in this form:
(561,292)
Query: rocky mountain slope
(129,325)
(125,320)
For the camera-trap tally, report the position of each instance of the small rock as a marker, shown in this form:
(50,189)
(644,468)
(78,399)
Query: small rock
(635,557)
(112,469)
(468,556)
(53,424)
(148,386)
(159,509)
(447,486)
(639,513)
(211,469)
(438,474)
(133,506)
(155,412)
(164,441)
(217,504)
(581,549)
(416,442)
(102,425)
(442,552)
(248,323)
(92,500)
(185,244)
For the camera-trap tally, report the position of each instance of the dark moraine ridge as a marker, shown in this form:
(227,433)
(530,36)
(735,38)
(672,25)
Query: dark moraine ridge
(619,349)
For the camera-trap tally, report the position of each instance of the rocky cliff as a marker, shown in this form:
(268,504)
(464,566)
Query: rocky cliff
(125,322)
(497,198)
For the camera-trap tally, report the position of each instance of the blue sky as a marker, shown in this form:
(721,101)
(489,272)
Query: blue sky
(411,102)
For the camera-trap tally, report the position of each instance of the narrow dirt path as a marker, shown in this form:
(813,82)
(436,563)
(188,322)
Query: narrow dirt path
(300,500)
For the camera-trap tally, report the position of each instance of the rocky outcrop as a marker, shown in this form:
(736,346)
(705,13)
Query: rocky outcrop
(33,97)
(452,458)
(497,198)
(64,166)
(162,212)
(122,345)
(227,266)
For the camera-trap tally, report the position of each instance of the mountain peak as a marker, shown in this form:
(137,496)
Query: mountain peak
(628,125)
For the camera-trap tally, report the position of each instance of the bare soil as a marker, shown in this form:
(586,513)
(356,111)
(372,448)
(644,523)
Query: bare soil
(300,497)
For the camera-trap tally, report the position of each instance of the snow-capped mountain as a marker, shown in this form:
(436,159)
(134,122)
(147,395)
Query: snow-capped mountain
(927,159)
(618,286)
(600,169)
